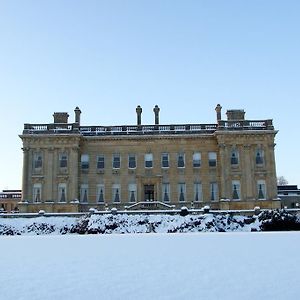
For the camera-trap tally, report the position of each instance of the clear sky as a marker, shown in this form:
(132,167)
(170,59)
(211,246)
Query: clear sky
(186,56)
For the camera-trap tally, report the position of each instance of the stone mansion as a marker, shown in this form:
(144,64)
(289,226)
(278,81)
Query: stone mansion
(68,167)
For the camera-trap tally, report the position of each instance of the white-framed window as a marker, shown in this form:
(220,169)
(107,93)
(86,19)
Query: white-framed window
(85,161)
(213,191)
(84,193)
(116,192)
(196,159)
(116,161)
(180,160)
(37,160)
(259,157)
(165,160)
(100,162)
(62,192)
(37,192)
(234,158)
(198,196)
(132,188)
(181,192)
(131,161)
(148,160)
(236,189)
(100,193)
(63,160)
(212,159)
(166,192)
(261,189)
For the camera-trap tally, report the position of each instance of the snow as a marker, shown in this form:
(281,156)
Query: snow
(157,266)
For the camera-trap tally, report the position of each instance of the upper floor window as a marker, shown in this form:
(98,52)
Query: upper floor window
(116,161)
(165,160)
(234,159)
(85,161)
(62,192)
(259,157)
(236,190)
(261,189)
(148,160)
(196,159)
(131,161)
(63,160)
(37,160)
(180,160)
(100,162)
(212,159)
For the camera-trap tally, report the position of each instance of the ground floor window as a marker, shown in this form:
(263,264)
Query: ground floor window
(62,192)
(132,192)
(100,193)
(37,192)
(197,192)
(116,190)
(213,191)
(261,189)
(166,192)
(181,192)
(236,190)
(84,193)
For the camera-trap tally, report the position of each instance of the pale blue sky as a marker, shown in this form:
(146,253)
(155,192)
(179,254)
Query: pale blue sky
(186,56)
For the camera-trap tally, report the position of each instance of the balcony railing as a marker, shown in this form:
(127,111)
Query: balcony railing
(73,128)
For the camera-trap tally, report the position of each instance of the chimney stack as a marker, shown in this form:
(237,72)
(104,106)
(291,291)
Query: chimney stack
(60,117)
(156,110)
(139,115)
(77,115)
(218,110)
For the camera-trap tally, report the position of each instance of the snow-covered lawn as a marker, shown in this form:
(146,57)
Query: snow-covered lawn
(151,266)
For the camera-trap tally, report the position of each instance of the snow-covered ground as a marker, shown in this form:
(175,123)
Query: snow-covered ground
(151,266)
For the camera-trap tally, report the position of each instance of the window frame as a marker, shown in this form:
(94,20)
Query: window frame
(84,161)
(179,160)
(236,190)
(100,162)
(116,164)
(148,158)
(130,157)
(195,164)
(212,159)
(165,155)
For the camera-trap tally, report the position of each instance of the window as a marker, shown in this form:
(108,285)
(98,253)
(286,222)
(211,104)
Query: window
(212,159)
(197,160)
(180,160)
(37,192)
(234,159)
(132,192)
(37,161)
(131,161)
(148,160)
(165,160)
(100,193)
(84,193)
(100,162)
(63,160)
(198,192)
(259,157)
(116,192)
(85,161)
(181,192)
(166,192)
(62,192)
(213,191)
(236,190)
(116,161)
(261,189)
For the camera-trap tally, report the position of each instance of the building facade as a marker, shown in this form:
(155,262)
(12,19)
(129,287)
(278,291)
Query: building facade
(289,196)
(9,201)
(229,164)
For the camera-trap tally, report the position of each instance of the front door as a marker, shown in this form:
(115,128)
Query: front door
(149,192)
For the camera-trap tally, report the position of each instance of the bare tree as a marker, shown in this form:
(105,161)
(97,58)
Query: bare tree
(281,180)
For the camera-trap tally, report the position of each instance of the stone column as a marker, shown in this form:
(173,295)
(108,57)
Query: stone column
(139,115)
(25,178)
(248,184)
(224,167)
(73,174)
(156,110)
(49,171)
(271,169)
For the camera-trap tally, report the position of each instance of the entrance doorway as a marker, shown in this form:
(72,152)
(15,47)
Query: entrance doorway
(149,192)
